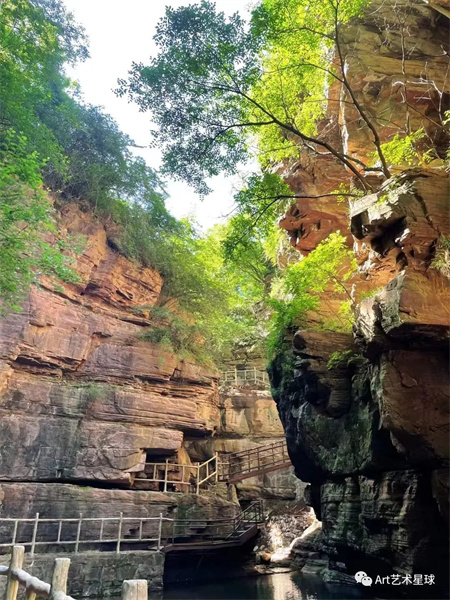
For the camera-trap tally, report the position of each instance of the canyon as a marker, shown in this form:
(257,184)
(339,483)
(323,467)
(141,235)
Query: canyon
(86,401)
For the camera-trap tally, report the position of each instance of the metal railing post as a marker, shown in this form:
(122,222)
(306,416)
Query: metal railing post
(166,470)
(35,529)
(77,542)
(102,522)
(16,524)
(119,533)
(160,531)
(217,467)
(59,531)
(197,484)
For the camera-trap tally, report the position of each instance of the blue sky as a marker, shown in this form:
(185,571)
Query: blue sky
(121,32)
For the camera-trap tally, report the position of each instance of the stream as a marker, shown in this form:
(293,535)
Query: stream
(279,586)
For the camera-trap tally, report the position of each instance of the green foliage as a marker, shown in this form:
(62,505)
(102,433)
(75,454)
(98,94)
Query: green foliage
(181,337)
(297,290)
(217,83)
(189,87)
(341,358)
(84,152)
(219,303)
(72,39)
(94,390)
(259,203)
(402,150)
(286,315)
(343,320)
(31,71)
(299,38)
(26,219)
(441,260)
(48,135)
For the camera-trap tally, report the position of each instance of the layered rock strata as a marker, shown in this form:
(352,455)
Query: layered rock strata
(84,400)
(366,414)
(396,61)
(249,418)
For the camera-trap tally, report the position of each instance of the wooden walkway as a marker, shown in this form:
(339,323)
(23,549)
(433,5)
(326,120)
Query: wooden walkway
(254,461)
(121,534)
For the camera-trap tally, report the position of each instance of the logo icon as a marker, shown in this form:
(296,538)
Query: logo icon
(363,578)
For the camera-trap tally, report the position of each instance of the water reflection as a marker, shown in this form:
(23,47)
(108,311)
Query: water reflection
(280,586)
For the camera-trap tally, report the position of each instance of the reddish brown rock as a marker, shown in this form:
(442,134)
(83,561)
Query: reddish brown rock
(82,396)
(108,277)
(249,412)
(393,58)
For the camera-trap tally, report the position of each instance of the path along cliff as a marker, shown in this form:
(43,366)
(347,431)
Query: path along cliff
(86,403)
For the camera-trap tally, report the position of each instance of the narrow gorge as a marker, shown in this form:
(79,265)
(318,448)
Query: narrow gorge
(295,420)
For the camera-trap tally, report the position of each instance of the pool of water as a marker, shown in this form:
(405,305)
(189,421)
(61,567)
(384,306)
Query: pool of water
(279,586)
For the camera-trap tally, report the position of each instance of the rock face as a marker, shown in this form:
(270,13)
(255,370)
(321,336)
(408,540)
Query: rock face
(366,416)
(83,399)
(391,55)
(249,418)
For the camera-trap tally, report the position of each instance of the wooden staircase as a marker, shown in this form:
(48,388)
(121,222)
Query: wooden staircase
(190,534)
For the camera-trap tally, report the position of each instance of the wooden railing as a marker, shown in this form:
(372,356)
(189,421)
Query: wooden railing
(179,477)
(56,590)
(254,461)
(244,377)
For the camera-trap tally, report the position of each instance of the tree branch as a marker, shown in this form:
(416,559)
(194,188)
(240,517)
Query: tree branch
(348,87)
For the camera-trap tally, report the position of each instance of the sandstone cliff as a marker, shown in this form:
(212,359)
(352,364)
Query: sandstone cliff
(83,399)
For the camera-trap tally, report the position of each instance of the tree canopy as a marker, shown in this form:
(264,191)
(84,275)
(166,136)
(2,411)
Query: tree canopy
(218,84)
(51,140)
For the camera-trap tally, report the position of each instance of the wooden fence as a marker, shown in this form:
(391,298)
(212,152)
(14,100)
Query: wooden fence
(56,590)
(244,377)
